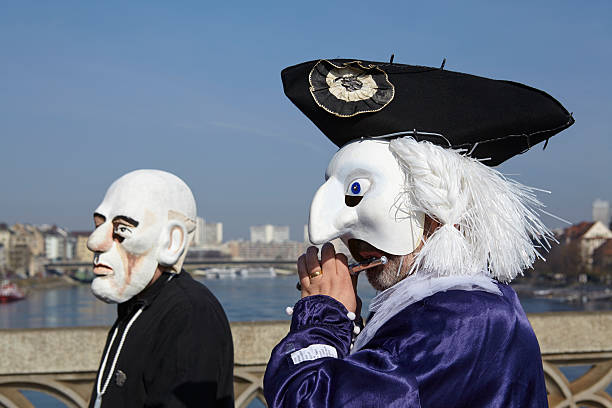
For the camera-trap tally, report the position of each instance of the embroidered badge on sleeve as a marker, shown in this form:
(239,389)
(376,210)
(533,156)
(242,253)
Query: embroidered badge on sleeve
(313,352)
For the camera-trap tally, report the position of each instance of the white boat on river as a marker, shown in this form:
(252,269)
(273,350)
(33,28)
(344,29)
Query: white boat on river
(233,273)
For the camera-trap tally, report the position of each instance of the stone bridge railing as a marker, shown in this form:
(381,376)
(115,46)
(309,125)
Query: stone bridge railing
(62,362)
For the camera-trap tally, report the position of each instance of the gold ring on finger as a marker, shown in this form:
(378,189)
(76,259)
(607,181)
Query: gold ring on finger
(315,274)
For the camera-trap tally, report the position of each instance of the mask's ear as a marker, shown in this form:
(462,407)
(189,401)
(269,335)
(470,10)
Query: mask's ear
(173,243)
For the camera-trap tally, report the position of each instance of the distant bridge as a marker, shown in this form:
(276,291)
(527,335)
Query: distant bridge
(190,265)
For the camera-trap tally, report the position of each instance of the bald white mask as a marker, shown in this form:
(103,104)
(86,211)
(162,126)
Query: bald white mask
(146,220)
(360,200)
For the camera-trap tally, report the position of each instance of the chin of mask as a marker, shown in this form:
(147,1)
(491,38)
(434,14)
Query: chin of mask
(116,280)
(361,199)
(134,234)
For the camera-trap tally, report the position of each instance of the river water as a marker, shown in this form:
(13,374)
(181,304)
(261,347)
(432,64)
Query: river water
(244,299)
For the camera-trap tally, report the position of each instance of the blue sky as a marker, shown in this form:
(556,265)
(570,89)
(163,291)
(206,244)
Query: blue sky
(91,91)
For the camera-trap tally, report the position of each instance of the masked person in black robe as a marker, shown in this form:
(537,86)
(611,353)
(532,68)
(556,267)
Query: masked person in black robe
(171,344)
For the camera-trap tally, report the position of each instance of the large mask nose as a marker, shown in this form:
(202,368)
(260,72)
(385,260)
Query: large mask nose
(329,217)
(101,240)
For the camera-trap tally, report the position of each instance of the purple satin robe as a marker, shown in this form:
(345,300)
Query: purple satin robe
(452,349)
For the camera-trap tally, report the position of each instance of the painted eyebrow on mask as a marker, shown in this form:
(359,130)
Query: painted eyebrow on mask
(126,219)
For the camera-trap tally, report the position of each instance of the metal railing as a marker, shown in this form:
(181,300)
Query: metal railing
(62,362)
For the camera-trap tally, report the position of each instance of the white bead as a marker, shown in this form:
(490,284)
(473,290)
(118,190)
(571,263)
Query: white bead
(356,329)
(351,346)
(289,310)
(351,315)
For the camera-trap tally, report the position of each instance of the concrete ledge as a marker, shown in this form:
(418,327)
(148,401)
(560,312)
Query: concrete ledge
(74,350)
(573,332)
(61,350)
(254,341)
(78,349)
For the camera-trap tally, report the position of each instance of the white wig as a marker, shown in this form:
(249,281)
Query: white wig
(488,223)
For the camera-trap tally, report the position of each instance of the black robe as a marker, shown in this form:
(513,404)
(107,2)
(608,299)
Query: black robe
(177,353)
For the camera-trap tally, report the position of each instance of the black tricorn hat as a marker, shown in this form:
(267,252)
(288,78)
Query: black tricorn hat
(491,120)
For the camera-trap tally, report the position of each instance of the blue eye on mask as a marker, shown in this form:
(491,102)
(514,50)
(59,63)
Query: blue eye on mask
(359,200)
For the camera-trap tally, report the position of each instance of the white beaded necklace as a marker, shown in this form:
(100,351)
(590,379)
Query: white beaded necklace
(100,393)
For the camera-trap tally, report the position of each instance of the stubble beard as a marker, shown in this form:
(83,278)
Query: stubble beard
(385,276)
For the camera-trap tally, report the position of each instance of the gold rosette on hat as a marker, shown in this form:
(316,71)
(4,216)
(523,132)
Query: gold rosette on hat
(350,89)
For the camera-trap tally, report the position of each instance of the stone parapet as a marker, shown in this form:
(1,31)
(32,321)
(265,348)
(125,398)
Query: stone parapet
(62,362)
(573,332)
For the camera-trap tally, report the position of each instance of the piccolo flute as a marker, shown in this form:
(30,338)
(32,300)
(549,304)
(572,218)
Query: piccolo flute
(357,267)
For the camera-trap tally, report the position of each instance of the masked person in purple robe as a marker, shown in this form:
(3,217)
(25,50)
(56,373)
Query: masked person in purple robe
(171,345)
(413,182)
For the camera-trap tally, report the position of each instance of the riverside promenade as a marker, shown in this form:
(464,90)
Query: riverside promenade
(62,362)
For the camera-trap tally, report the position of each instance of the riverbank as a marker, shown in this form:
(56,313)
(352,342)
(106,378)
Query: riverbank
(45,283)
(574,292)
(581,293)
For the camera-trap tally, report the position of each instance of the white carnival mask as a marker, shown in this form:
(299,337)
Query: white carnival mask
(146,220)
(361,200)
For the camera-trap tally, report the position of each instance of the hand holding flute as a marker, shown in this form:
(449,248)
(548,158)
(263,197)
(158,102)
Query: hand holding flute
(357,267)
(330,276)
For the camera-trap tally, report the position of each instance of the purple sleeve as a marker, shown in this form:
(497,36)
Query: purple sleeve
(366,378)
